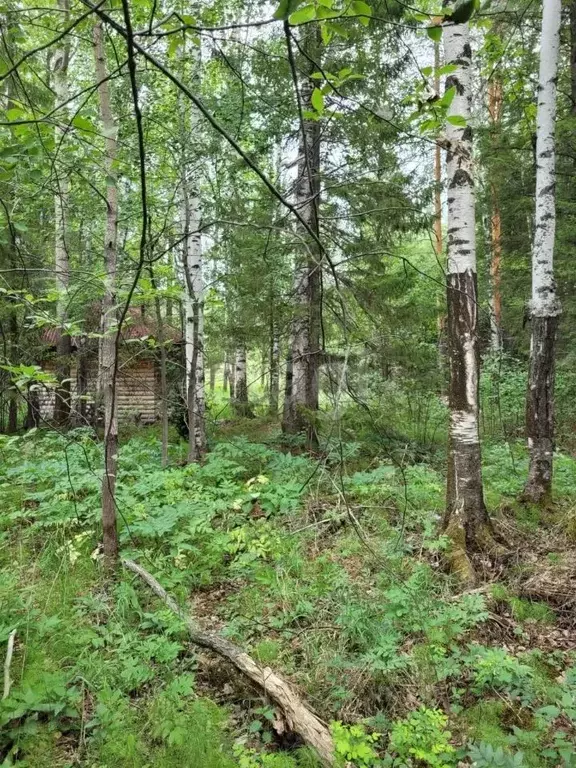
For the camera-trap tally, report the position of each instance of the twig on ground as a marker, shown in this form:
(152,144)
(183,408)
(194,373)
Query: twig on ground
(7,663)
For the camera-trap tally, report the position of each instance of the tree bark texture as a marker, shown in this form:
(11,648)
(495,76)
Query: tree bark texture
(193,286)
(466,520)
(241,402)
(544,306)
(61,60)
(274,391)
(300,409)
(109,345)
(495,111)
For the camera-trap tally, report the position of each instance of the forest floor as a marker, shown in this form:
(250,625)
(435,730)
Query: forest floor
(327,569)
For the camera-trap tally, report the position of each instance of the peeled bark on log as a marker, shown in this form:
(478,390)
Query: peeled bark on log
(299,718)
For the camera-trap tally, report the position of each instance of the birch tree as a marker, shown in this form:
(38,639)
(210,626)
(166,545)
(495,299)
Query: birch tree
(545,307)
(109,342)
(60,63)
(495,113)
(302,396)
(466,520)
(193,294)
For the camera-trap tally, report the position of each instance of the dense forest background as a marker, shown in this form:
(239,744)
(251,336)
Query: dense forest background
(287,383)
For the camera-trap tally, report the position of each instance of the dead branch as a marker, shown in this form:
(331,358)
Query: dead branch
(7,662)
(300,719)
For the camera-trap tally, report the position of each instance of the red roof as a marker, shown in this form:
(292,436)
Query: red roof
(134,326)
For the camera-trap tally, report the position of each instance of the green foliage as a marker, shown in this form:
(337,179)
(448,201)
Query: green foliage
(486,756)
(241,534)
(495,669)
(422,737)
(353,744)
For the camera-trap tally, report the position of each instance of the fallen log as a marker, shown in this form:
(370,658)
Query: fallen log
(299,717)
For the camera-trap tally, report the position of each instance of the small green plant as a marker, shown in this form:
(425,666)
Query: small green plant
(486,756)
(354,744)
(496,669)
(422,738)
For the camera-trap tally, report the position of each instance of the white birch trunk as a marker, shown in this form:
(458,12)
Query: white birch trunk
(193,294)
(545,307)
(544,299)
(466,516)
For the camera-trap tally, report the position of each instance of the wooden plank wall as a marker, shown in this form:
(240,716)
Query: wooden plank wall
(135,391)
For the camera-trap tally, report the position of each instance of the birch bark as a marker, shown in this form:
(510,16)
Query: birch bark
(466,520)
(495,112)
(193,299)
(545,307)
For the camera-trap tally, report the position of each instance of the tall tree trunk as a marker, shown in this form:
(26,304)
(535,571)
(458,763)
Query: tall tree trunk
(232,379)
(61,258)
(109,346)
(438,239)
(81,380)
(495,111)
(212,377)
(226,375)
(161,338)
(193,294)
(300,408)
(241,401)
(573,55)
(287,387)
(545,307)
(274,391)
(466,520)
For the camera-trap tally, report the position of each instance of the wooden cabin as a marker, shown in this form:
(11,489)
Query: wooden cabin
(138,382)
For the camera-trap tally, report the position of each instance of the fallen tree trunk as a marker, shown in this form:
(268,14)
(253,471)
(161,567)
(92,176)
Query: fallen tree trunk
(299,718)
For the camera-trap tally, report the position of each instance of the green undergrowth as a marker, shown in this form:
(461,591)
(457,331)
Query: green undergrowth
(327,569)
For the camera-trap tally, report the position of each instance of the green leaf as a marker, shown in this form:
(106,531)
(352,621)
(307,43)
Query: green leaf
(429,125)
(286,7)
(448,97)
(317,100)
(83,124)
(327,13)
(427,71)
(175,43)
(14,114)
(305,14)
(457,120)
(447,69)
(326,33)
(434,33)
(363,11)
